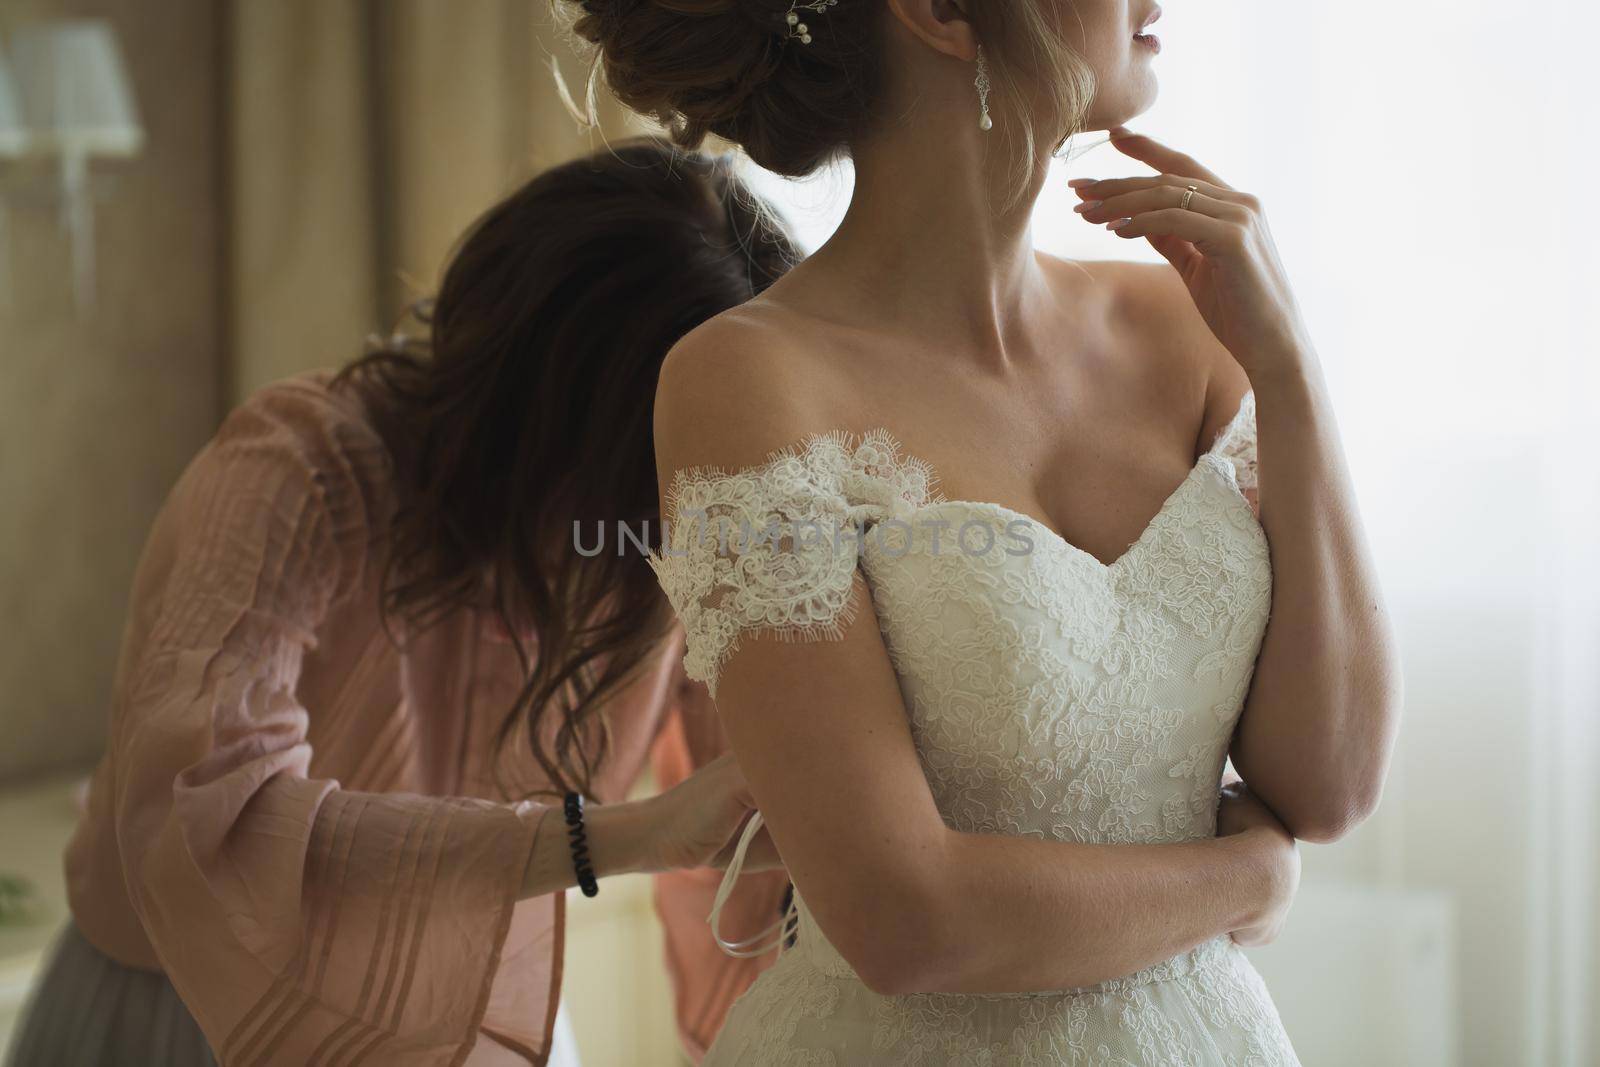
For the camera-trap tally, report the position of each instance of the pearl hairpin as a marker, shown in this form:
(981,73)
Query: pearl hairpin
(799,31)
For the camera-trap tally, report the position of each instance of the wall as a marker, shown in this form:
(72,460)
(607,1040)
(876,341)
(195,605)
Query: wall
(99,414)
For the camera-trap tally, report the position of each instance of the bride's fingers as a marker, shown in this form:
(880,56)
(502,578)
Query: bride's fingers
(1152,152)
(1106,188)
(1155,198)
(1212,236)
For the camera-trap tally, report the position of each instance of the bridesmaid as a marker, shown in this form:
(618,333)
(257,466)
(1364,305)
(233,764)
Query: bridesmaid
(365,661)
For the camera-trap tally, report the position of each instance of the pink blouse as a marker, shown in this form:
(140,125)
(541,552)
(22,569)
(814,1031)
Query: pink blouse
(294,819)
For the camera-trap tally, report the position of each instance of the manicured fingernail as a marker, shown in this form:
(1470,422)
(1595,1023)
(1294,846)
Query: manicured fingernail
(1087,206)
(1079,183)
(1117,224)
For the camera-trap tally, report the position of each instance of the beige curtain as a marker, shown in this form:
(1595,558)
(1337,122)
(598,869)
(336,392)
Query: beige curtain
(363,137)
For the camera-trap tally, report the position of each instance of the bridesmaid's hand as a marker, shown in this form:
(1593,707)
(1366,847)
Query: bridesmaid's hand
(698,822)
(1219,244)
(1241,813)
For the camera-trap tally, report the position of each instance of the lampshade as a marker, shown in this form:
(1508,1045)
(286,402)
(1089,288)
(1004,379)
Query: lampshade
(76,104)
(13,134)
(74,90)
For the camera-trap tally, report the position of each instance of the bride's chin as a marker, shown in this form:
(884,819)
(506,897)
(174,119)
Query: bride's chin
(1124,111)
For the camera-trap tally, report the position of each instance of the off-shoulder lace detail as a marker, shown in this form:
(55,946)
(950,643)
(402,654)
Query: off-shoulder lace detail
(773,548)
(1237,442)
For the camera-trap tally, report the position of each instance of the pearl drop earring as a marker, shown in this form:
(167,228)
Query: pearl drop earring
(982,82)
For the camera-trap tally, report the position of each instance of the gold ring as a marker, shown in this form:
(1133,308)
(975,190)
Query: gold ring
(1188,195)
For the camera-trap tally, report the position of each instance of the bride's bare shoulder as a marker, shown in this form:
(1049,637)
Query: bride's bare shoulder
(1147,308)
(743,384)
(1130,291)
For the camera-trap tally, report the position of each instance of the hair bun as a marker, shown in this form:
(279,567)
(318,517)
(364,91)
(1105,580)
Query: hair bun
(736,69)
(606,9)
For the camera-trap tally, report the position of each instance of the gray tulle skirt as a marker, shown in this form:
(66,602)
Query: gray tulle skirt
(88,1010)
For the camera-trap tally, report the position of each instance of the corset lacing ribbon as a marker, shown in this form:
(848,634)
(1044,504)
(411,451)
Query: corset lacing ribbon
(773,937)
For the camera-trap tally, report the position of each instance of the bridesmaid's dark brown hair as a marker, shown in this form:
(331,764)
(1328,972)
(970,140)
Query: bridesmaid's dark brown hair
(528,408)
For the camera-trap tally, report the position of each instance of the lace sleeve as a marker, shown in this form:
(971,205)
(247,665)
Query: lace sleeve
(773,548)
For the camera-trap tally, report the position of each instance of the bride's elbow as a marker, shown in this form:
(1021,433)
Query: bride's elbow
(897,946)
(901,970)
(890,976)
(1332,813)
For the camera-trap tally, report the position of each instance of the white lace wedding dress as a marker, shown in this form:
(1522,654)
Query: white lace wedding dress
(1050,695)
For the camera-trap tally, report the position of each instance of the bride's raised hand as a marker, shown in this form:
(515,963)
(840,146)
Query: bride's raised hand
(1219,244)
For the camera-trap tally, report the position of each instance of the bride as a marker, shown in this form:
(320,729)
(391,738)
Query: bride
(971,544)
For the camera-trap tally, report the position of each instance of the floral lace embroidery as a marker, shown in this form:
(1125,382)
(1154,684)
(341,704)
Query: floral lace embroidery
(773,548)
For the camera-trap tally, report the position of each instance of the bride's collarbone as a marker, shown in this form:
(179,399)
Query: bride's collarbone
(1095,498)
(1086,459)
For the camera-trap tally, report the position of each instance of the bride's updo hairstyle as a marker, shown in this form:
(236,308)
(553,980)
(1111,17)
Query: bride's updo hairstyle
(735,69)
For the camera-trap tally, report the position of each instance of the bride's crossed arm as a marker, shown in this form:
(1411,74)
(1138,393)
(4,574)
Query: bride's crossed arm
(821,731)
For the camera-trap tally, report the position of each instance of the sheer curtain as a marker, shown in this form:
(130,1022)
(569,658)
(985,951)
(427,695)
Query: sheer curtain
(1429,171)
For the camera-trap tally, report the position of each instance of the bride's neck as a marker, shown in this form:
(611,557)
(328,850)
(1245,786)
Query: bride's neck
(929,245)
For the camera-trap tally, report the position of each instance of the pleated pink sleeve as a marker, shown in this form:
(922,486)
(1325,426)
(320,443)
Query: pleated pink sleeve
(301,923)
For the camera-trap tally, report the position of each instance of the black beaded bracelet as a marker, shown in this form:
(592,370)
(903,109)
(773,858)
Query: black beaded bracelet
(573,807)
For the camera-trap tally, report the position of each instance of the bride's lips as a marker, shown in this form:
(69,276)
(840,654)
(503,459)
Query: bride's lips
(1146,38)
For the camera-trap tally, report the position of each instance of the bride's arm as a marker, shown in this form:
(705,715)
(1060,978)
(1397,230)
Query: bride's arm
(821,731)
(1319,727)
